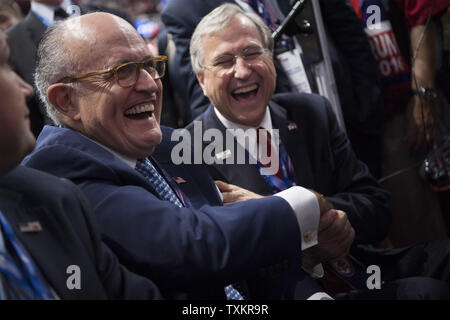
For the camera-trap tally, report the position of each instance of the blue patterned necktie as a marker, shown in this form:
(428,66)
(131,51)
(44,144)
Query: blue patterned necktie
(148,170)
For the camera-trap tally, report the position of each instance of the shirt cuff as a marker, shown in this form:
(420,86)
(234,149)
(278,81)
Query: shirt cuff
(306,209)
(320,296)
(316,272)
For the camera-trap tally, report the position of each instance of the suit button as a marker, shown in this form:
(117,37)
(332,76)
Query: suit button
(308,237)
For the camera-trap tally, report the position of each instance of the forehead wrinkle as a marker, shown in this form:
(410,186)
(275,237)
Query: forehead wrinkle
(89,39)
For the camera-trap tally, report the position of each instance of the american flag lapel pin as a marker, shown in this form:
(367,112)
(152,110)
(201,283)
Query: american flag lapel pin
(31,226)
(223,155)
(179,180)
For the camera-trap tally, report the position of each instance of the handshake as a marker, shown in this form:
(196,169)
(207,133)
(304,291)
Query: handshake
(335,233)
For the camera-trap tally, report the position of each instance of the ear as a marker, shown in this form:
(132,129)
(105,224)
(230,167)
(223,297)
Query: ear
(200,79)
(60,95)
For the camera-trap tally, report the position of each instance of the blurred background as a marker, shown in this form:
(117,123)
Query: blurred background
(145,14)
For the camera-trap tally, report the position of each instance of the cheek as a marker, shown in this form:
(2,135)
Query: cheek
(271,72)
(218,89)
(96,108)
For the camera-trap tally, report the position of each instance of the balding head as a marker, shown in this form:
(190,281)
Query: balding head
(78,45)
(95,33)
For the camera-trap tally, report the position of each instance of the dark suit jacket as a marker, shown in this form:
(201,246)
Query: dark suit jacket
(189,252)
(68,237)
(354,66)
(323,160)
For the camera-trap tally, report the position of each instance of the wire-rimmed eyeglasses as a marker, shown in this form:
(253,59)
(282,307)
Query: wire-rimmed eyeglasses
(226,63)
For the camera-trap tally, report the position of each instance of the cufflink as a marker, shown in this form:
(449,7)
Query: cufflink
(308,236)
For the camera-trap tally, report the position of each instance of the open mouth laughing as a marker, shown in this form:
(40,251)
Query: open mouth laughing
(140,111)
(245,93)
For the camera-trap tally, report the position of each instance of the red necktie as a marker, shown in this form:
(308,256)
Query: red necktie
(265,157)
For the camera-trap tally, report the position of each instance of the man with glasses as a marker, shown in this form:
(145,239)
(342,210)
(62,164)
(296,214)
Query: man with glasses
(231,54)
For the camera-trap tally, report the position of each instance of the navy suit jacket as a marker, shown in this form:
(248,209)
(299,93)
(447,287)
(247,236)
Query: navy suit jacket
(191,251)
(323,160)
(68,237)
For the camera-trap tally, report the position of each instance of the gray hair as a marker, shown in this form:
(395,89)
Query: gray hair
(53,62)
(215,21)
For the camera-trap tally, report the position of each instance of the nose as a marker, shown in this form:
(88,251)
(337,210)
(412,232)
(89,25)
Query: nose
(26,89)
(146,83)
(241,68)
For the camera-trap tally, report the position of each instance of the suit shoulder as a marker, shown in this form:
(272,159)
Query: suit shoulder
(37,183)
(308,105)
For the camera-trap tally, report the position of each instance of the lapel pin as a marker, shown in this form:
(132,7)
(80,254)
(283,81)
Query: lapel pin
(223,155)
(292,126)
(32,226)
(179,180)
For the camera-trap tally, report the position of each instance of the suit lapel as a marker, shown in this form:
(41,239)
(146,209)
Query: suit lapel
(170,181)
(293,137)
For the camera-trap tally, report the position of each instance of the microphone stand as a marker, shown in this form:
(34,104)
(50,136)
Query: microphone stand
(298,6)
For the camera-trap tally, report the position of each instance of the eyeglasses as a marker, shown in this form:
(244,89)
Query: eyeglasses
(226,63)
(127,74)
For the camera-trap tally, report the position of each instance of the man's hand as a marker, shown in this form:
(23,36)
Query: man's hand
(232,193)
(336,236)
(324,204)
(416,133)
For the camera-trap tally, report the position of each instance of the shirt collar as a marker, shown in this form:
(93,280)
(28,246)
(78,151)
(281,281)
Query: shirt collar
(129,161)
(47,12)
(266,122)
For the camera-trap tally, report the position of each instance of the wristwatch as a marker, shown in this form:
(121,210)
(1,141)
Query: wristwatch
(426,92)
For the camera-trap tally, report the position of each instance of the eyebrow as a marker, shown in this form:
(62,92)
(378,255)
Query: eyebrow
(123,61)
(229,54)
